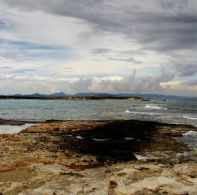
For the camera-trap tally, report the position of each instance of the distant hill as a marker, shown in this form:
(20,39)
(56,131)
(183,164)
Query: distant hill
(38,95)
(96,95)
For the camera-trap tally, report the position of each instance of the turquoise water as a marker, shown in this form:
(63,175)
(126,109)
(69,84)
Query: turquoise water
(170,111)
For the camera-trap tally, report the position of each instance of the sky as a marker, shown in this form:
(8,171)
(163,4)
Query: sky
(113,46)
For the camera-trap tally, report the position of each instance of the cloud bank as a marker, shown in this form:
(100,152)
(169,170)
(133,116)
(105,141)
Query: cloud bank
(102,44)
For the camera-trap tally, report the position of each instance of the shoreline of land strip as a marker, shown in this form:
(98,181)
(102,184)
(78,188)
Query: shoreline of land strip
(73,98)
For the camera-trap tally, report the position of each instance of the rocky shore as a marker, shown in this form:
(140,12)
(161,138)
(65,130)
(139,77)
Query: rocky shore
(98,157)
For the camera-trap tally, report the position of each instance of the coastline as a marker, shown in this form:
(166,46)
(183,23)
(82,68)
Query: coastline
(106,157)
(75,98)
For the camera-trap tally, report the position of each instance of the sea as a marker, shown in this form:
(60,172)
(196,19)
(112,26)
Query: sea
(179,111)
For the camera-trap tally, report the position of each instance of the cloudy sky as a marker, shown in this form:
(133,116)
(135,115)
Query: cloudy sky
(131,46)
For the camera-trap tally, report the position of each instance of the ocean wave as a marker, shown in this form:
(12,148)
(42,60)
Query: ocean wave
(141,113)
(189,117)
(4,113)
(155,107)
(190,138)
(190,133)
(128,111)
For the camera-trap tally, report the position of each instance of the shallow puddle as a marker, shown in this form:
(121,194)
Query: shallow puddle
(10,129)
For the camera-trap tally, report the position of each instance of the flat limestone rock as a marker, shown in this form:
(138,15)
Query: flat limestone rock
(48,158)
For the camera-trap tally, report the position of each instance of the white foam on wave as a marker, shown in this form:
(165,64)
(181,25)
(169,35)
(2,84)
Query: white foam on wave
(166,116)
(190,133)
(154,107)
(141,113)
(128,111)
(189,117)
(190,138)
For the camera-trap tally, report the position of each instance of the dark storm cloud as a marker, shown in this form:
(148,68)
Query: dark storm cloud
(18,50)
(105,51)
(131,52)
(165,29)
(158,25)
(130,59)
(5,24)
(100,51)
(2,24)
(186,69)
(171,4)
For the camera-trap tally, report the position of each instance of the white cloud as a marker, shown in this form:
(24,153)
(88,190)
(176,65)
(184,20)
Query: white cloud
(95,45)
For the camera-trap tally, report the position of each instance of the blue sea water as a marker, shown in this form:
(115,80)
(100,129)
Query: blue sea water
(169,111)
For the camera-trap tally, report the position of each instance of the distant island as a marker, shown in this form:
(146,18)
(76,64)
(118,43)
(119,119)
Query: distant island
(74,98)
(94,96)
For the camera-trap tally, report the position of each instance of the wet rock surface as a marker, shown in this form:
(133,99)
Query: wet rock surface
(14,122)
(98,157)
